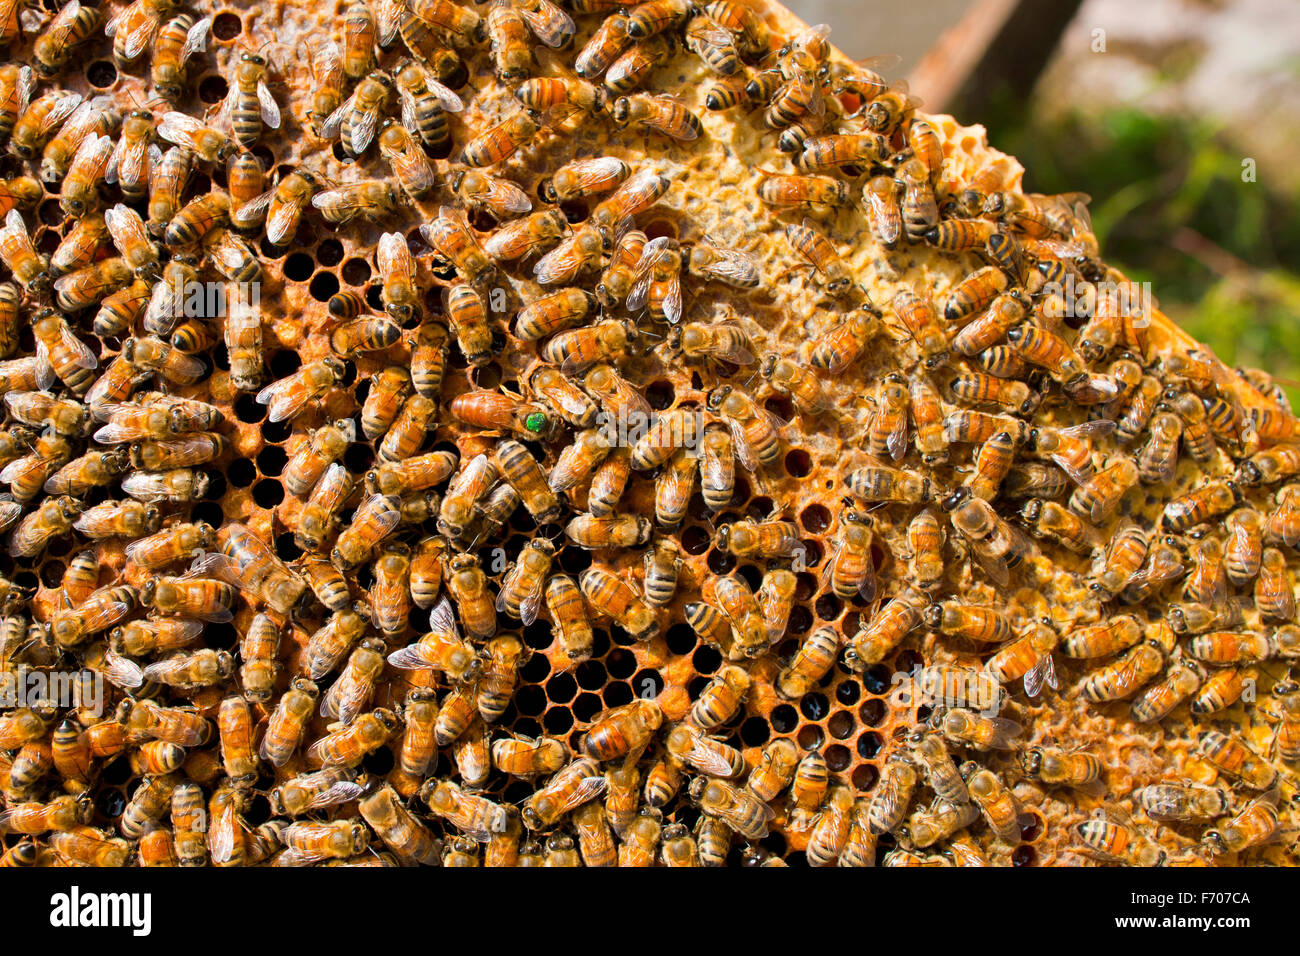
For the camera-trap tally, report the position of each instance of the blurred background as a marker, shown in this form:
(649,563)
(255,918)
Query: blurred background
(1181,118)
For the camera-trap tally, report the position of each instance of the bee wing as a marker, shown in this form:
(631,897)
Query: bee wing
(1077,475)
(640,292)
(62,109)
(1162,566)
(141,38)
(442,620)
(280,224)
(251,212)
(26,87)
(178,128)
(672,304)
(1004,732)
(445,95)
(896,441)
(363,130)
(880,63)
(343,700)
(388,19)
(280,399)
(340,792)
(334,122)
(393,254)
(81,354)
(509,197)
(1043,672)
(125,226)
(1098,428)
(744,454)
(589,788)
(221,838)
(1164,806)
(196,40)
(708,761)
(735,267)
(15,468)
(552,25)
(993,564)
(810,93)
(555,265)
(126,674)
(270,111)
(736,352)
(413,657)
(408,109)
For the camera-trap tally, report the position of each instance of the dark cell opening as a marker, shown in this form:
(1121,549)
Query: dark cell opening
(226,26)
(379,763)
(210,512)
(877,680)
(538,636)
(706,659)
(358,457)
(695,540)
(814,706)
(101,74)
(620,663)
(647,684)
(355,272)
(591,675)
(720,562)
(248,410)
(681,639)
(864,777)
(618,694)
(784,718)
(561,688)
(1031,827)
(872,712)
(751,575)
(585,707)
(754,732)
(848,692)
(268,493)
(110,803)
(285,548)
(213,88)
(815,519)
(798,463)
(659,395)
(837,757)
(276,432)
(840,725)
(558,720)
(868,745)
(530,699)
(323,285)
(828,607)
(299,267)
(800,620)
(810,737)
(329,253)
(271,461)
(241,473)
(1024,856)
(52,573)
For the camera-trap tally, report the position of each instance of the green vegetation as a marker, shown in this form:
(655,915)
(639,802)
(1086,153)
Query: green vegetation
(1170,207)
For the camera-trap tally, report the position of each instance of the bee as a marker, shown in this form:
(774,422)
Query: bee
(1257,823)
(609,596)
(401,832)
(412,474)
(374,519)
(404,154)
(1079,770)
(468,586)
(584,177)
(577,783)
(1283,525)
(53,518)
(661,114)
(348,746)
(1108,840)
(1222,689)
(185,131)
(737,808)
(323,448)
(604,47)
(500,197)
(311,842)
(814,659)
(568,612)
(1169,801)
(326,61)
(1230,756)
(663,563)
(30,270)
(843,343)
(98,612)
(359,36)
(70,27)
(814,191)
(508,33)
(466,490)
(500,142)
(1207,502)
(428,359)
(442,649)
(879,483)
(523,237)
(523,585)
(357,120)
(249,106)
(282,206)
(451,237)
(288,396)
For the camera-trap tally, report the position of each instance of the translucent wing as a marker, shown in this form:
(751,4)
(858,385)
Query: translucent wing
(281,223)
(251,212)
(672,303)
(588,789)
(270,111)
(81,354)
(1043,672)
(1098,428)
(735,267)
(363,129)
(196,40)
(640,292)
(446,97)
(221,839)
(442,620)
(340,792)
(126,674)
(744,454)
(334,122)
(178,128)
(393,254)
(283,398)
(552,25)
(707,760)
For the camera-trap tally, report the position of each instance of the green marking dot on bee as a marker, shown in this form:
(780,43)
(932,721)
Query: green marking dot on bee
(535,422)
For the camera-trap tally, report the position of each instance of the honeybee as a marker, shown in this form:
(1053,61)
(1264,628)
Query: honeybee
(739,809)
(288,396)
(1234,758)
(500,142)
(523,237)
(98,612)
(568,612)
(323,448)
(877,483)
(814,659)
(53,518)
(326,62)
(577,783)
(1257,823)
(349,746)
(401,832)
(605,45)
(508,33)
(523,585)
(404,154)
(374,519)
(609,596)
(412,474)
(451,237)
(185,131)
(282,206)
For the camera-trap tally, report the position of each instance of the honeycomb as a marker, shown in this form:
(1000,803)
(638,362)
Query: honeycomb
(860,725)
